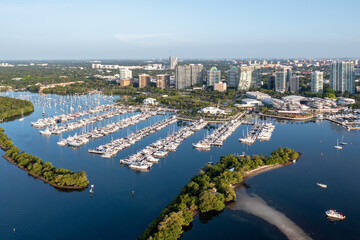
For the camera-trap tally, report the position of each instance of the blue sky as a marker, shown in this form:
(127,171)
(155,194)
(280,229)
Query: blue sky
(139,29)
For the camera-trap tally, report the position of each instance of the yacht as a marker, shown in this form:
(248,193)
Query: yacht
(46,132)
(334,214)
(337,145)
(201,146)
(62,143)
(321,185)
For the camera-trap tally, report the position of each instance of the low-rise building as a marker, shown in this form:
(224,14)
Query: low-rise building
(212,110)
(257,95)
(345,101)
(150,101)
(221,87)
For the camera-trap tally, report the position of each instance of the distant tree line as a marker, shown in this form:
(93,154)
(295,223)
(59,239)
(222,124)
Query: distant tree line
(60,177)
(209,191)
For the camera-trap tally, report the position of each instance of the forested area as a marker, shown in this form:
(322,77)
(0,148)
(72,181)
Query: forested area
(60,177)
(209,191)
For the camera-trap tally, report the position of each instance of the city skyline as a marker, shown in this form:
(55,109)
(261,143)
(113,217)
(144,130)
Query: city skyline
(39,29)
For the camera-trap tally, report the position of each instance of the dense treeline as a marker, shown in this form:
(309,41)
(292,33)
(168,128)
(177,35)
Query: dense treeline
(59,177)
(11,107)
(209,191)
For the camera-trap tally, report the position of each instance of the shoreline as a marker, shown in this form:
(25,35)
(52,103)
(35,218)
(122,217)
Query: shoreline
(42,178)
(286,118)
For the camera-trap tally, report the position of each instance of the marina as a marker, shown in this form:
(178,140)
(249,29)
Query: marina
(115,183)
(145,158)
(260,131)
(86,121)
(111,149)
(218,137)
(79,140)
(45,122)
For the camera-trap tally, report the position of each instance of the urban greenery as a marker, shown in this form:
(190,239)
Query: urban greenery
(58,177)
(11,107)
(209,191)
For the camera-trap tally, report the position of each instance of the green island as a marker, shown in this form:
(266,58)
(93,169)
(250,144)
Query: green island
(11,107)
(57,177)
(210,190)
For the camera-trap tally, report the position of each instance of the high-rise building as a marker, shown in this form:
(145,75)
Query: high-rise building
(271,82)
(188,75)
(282,79)
(249,77)
(317,82)
(163,81)
(232,76)
(294,83)
(173,62)
(196,74)
(213,76)
(144,80)
(245,78)
(342,77)
(125,73)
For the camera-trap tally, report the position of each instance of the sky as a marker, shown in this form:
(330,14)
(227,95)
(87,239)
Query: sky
(147,29)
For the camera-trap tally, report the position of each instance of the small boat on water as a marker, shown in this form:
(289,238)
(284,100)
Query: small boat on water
(91,189)
(342,141)
(21,119)
(337,145)
(321,185)
(333,214)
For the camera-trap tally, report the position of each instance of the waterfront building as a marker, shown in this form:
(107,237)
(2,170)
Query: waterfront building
(163,81)
(212,110)
(317,82)
(144,80)
(125,73)
(221,87)
(173,61)
(213,76)
(188,75)
(294,83)
(282,79)
(149,101)
(232,77)
(342,77)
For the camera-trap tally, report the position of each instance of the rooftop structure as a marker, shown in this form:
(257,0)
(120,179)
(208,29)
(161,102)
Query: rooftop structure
(257,95)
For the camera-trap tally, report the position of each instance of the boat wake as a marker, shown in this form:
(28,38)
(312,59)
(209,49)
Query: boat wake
(257,206)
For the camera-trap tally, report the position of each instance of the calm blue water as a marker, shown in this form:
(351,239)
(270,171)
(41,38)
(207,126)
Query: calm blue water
(38,211)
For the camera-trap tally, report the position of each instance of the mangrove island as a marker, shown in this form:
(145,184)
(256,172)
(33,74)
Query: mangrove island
(210,190)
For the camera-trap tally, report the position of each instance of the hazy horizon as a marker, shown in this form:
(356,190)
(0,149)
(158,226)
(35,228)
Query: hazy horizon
(140,29)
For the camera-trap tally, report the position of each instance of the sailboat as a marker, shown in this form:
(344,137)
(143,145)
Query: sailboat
(337,145)
(342,141)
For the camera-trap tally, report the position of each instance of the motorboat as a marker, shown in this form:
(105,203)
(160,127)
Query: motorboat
(333,214)
(321,185)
